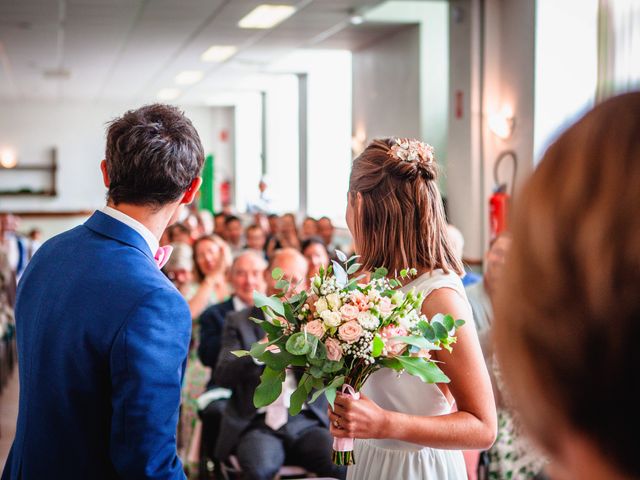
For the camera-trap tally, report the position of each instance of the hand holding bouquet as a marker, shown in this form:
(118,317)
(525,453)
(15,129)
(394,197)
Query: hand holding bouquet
(340,331)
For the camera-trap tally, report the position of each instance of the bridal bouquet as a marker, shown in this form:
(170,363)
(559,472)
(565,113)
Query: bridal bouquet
(340,331)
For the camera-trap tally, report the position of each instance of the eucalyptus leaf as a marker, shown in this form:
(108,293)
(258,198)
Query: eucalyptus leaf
(427,371)
(316,371)
(392,363)
(354,268)
(380,272)
(330,393)
(332,367)
(282,284)
(459,323)
(420,342)
(448,322)
(297,344)
(241,353)
(341,276)
(427,330)
(341,256)
(277,273)
(261,301)
(297,399)
(269,389)
(441,331)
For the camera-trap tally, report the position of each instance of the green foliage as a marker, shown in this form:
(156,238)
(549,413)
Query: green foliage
(297,344)
(262,301)
(277,273)
(282,284)
(299,396)
(378,346)
(341,256)
(341,275)
(332,367)
(428,372)
(270,387)
(240,353)
(354,268)
(420,342)
(380,272)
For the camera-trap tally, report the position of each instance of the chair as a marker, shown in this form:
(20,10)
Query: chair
(231,470)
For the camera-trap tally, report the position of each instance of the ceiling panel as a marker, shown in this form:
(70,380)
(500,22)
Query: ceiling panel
(129,49)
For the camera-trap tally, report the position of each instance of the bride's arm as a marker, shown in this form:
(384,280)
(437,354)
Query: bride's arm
(473,426)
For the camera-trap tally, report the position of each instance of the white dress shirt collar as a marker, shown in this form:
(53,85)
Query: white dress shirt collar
(238,304)
(144,232)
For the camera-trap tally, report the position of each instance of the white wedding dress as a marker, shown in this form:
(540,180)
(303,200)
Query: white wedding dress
(394,459)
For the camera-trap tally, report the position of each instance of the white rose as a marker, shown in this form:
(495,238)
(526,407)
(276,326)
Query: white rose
(334,301)
(331,319)
(321,305)
(368,321)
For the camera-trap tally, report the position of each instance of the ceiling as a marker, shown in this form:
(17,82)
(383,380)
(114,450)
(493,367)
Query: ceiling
(129,49)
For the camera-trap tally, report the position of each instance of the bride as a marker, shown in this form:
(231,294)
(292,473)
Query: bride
(408,429)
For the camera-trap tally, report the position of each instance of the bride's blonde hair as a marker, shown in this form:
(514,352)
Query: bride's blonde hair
(400,221)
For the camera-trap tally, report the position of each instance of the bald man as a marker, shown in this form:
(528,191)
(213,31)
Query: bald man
(260,444)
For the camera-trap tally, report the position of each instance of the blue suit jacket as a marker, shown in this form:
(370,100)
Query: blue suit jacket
(102,345)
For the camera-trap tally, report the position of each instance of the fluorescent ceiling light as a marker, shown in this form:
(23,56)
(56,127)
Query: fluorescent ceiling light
(218,53)
(167,94)
(189,77)
(267,16)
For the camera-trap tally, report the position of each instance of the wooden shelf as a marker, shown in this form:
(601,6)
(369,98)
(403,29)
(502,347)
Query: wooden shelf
(52,169)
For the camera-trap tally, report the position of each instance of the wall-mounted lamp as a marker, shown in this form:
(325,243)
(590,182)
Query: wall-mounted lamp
(502,123)
(8,158)
(358,141)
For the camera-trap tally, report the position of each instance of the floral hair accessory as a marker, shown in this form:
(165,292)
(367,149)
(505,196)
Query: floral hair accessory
(409,150)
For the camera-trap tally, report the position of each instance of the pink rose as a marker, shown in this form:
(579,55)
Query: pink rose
(315,328)
(385,306)
(350,331)
(334,350)
(393,347)
(359,299)
(349,312)
(311,302)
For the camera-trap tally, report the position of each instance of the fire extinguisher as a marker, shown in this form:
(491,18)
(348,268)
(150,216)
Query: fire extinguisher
(500,199)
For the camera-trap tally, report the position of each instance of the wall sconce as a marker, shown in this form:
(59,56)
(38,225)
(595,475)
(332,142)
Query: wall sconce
(8,158)
(358,141)
(502,123)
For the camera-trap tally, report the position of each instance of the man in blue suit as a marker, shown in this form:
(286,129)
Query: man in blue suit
(102,333)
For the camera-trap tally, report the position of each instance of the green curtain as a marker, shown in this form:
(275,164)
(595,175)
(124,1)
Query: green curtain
(207,190)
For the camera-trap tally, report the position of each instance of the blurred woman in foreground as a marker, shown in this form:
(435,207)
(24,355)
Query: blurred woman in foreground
(567,320)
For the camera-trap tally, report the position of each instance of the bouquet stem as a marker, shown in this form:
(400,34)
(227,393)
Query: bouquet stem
(343,458)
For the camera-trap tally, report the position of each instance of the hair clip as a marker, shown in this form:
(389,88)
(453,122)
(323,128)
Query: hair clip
(409,150)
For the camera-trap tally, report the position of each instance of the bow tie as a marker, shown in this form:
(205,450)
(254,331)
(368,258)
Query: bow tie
(162,255)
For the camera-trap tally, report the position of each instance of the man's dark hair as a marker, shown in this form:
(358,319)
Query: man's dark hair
(153,154)
(231,218)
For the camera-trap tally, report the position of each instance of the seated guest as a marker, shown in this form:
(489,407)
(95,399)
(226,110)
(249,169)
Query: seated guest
(180,233)
(233,227)
(179,268)
(274,224)
(567,324)
(316,254)
(261,442)
(219,225)
(287,237)
(309,228)
(211,259)
(456,240)
(512,454)
(246,276)
(255,238)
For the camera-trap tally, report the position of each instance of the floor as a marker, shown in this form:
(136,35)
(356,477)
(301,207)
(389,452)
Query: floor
(8,416)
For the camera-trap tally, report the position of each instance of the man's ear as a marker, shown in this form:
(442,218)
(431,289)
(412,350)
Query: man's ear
(190,194)
(105,174)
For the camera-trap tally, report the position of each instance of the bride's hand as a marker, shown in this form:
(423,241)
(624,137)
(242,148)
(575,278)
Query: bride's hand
(361,418)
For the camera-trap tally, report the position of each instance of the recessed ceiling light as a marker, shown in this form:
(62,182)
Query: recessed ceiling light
(356,20)
(189,77)
(218,53)
(167,94)
(266,16)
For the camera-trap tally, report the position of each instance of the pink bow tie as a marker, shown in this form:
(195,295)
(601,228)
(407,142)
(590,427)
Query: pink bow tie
(162,255)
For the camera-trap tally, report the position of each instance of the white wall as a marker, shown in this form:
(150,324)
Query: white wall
(77,130)
(506,55)
(386,87)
